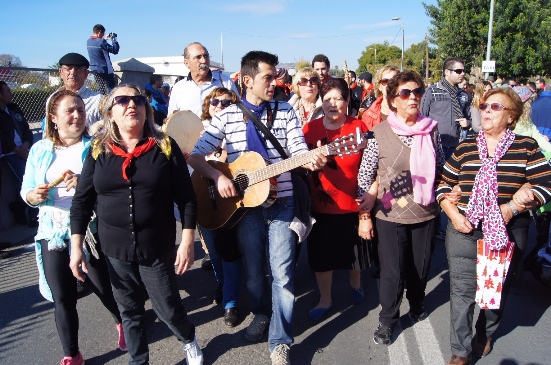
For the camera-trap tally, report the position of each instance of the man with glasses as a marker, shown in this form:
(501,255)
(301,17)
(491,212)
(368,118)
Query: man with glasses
(189,93)
(450,106)
(74,72)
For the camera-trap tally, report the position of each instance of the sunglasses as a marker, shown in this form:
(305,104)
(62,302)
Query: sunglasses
(405,93)
(458,71)
(124,100)
(494,106)
(224,103)
(311,80)
(384,82)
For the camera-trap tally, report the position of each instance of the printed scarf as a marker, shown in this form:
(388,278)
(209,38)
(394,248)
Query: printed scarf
(483,204)
(453,91)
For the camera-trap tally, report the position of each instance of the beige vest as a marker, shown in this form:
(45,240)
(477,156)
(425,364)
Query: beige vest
(395,195)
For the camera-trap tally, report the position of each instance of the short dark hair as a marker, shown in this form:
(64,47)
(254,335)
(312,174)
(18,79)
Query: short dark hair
(250,62)
(448,62)
(154,78)
(337,84)
(531,84)
(98,28)
(399,79)
(541,79)
(352,73)
(321,58)
(2,83)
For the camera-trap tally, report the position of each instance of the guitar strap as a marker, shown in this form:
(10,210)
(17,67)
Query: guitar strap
(261,127)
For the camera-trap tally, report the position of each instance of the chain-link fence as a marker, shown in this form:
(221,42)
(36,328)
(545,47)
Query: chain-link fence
(31,88)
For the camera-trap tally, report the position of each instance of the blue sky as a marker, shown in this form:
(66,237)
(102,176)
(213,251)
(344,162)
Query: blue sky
(40,32)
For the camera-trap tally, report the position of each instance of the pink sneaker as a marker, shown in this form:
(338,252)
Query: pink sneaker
(68,360)
(122,341)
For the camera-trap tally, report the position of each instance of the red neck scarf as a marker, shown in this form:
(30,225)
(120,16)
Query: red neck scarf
(137,152)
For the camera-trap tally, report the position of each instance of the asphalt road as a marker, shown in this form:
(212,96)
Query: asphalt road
(28,334)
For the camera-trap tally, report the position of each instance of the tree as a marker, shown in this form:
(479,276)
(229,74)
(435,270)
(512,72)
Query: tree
(301,63)
(415,59)
(386,54)
(5,58)
(521,33)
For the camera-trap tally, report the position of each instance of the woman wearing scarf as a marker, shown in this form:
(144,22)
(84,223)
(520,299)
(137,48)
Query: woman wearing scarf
(490,170)
(403,160)
(306,100)
(136,173)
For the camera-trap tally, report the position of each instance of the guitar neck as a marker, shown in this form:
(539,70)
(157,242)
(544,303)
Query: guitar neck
(286,165)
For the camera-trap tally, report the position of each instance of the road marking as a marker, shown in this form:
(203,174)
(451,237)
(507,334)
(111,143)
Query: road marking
(398,350)
(427,343)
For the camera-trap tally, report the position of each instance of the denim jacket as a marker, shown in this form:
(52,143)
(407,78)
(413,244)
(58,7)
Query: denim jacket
(40,158)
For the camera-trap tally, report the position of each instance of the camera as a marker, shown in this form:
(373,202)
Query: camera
(112,35)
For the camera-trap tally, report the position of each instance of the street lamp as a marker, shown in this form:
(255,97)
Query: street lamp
(375,48)
(398,18)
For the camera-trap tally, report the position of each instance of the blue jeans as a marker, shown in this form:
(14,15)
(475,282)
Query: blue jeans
(227,273)
(265,238)
(159,279)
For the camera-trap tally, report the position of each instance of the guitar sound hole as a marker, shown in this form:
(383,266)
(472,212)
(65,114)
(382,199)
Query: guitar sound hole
(242,183)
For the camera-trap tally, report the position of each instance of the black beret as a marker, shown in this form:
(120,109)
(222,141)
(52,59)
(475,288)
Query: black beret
(75,59)
(366,76)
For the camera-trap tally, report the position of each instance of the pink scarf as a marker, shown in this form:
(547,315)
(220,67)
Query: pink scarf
(422,159)
(483,202)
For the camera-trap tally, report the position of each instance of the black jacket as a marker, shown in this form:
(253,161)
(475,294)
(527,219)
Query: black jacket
(9,123)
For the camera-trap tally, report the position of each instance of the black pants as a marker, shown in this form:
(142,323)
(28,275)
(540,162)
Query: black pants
(405,252)
(63,286)
(159,279)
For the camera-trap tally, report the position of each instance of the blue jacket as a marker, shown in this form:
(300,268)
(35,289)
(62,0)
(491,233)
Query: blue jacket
(98,53)
(541,113)
(158,101)
(40,158)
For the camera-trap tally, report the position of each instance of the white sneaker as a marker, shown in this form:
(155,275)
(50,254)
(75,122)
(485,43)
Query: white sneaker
(194,355)
(280,355)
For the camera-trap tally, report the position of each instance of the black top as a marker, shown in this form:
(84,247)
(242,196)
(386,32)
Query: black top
(136,217)
(11,122)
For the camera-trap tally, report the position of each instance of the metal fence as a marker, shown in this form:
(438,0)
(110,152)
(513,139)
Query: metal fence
(31,88)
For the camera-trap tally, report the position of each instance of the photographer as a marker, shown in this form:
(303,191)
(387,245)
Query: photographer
(98,52)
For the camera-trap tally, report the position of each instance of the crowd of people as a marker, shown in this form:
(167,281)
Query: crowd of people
(103,183)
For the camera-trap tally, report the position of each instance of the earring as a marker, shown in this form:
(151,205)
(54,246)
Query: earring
(55,126)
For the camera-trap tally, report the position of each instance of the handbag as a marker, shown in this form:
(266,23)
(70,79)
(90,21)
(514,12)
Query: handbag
(491,271)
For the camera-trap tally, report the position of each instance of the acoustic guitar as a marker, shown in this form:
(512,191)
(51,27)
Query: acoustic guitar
(253,180)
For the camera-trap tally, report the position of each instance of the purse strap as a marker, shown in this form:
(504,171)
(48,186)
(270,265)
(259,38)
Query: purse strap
(267,134)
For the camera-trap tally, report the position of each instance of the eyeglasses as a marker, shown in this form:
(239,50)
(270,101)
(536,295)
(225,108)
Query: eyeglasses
(405,93)
(312,80)
(383,82)
(205,55)
(458,71)
(75,68)
(124,100)
(494,106)
(223,103)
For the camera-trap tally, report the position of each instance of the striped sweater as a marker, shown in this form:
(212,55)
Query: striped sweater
(229,125)
(523,162)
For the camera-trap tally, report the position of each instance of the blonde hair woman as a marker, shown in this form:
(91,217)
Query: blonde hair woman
(306,100)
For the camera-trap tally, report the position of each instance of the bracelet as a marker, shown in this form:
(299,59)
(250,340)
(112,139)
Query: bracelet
(364,216)
(513,208)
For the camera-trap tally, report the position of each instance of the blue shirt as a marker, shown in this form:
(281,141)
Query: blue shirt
(541,113)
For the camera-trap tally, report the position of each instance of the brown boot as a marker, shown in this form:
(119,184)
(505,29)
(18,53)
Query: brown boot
(459,360)
(482,346)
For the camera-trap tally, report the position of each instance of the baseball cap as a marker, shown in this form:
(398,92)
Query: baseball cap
(365,76)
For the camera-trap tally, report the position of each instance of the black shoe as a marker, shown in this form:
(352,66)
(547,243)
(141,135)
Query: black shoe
(4,254)
(206,263)
(230,317)
(4,245)
(217,295)
(382,334)
(18,211)
(82,288)
(417,317)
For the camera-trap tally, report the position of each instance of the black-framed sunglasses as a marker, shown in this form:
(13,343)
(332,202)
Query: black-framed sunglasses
(223,103)
(494,106)
(312,80)
(124,100)
(384,82)
(458,71)
(405,93)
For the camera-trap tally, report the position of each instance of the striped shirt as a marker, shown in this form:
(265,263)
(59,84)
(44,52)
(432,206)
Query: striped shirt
(229,126)
(523,162)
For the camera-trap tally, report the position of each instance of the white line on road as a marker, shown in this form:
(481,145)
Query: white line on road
(427,343)
(398,350)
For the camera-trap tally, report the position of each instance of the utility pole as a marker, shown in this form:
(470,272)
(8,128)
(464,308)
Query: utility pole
(489,45)
(426,59)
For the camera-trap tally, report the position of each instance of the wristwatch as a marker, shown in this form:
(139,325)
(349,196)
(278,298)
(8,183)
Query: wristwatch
(513,208)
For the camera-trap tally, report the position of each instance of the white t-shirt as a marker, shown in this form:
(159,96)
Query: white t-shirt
(66,158)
